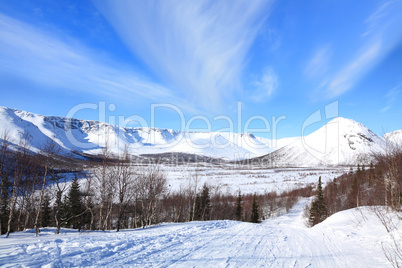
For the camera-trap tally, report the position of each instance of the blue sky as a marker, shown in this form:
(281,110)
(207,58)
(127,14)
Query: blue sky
(278,58)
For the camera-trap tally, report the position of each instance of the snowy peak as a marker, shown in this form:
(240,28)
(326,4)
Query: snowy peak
(349,133)
(339,142)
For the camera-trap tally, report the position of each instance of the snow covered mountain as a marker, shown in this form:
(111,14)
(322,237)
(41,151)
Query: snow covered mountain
(394,137)
(90,137)
(340,142)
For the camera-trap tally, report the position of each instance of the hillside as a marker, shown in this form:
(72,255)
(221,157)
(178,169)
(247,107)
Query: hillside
(394,137)
(340,142)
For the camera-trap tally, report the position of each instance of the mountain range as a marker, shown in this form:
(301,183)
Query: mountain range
(340,142)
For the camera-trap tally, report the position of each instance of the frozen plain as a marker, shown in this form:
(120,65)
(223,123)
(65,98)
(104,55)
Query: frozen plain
(352,238)
(229,178)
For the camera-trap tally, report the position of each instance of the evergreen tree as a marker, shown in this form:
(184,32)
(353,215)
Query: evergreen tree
(358,168)
(239,207)
(350,171)
(197,208)
(255,217)
(4,204)
(206,203)
(318,211)
(74,206)
(354,194)
(46,212)
(203,205)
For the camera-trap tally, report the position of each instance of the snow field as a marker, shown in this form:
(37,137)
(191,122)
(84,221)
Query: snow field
(230,179)
(351,238)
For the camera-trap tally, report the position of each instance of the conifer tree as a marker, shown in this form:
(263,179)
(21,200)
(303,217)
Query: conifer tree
(354,194)
(197,208)
(46,212)
(74,206)
(239,207)
(318,211)
(4,203)
(203,205)
(206,203)
(255,217)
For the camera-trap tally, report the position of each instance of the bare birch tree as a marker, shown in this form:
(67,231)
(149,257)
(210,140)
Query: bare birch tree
(151,186)
(48,153)
(125,185)
(21,161)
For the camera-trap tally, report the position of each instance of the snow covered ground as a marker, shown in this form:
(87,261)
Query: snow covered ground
(228,178)
(352,238)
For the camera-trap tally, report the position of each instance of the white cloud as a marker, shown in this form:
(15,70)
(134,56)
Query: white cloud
(198,47)
(59,62)
(382,34)
(374,20)
(265,86)
(346,78)
(318,64)
(391,97)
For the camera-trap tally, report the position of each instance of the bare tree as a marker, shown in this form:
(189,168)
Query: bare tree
(48,153)
(102,173)
(390,162)
(390,220)
(125,179)
(192,192)
(60,189)
(151,186)
(21,162)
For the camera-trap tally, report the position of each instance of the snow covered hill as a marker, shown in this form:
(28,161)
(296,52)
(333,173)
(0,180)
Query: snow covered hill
(352,238)
(394,137)
(340,142)
(90,137)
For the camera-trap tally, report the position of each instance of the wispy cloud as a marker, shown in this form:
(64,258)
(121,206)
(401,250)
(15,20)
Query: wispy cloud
(346,78)
(199,47)
(374,20)
(318,64)
(391,97)
(383,33)
(61,62)
(265,86)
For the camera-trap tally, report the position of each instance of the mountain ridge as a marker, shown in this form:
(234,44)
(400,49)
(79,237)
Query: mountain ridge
(341,141)
(89,137)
